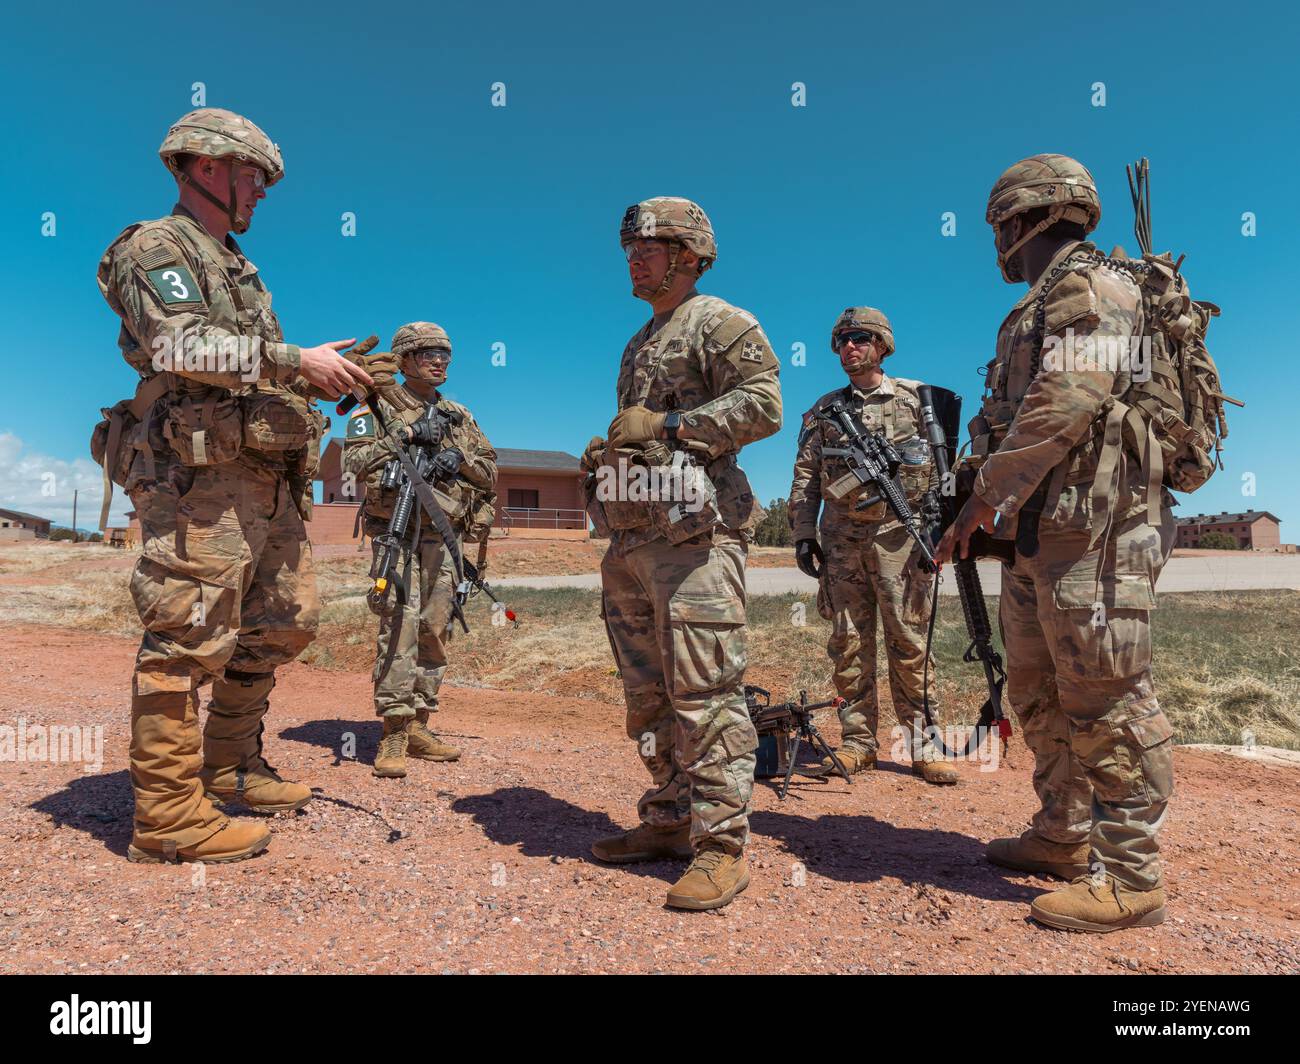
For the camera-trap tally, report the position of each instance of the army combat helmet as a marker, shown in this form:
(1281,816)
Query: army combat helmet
(866,319)
(420,336)
(1057,182)
(218,134)
(680,222)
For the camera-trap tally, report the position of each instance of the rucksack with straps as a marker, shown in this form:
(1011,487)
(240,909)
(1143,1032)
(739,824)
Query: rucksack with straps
(1180,404)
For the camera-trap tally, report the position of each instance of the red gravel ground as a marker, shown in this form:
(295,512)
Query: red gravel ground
(482,866)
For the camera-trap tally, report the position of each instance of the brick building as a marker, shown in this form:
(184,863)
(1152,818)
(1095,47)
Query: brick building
(540,491)
(1253,530)
(14,525)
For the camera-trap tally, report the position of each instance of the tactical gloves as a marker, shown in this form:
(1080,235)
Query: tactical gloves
(591,456)
(636,424)
(808,556)
(383,366)
(446,464)
(422,433)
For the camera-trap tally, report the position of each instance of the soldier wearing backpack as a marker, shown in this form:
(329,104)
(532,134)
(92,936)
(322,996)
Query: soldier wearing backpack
(1073,460)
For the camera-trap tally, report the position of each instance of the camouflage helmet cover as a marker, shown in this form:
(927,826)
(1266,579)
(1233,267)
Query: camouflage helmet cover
(1046,181)
(868,319)
(670,218)
(417,336)
(219,134)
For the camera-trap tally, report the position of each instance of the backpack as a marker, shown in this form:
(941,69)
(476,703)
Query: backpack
(1180,405)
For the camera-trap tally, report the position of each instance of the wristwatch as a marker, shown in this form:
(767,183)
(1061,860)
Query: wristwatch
(672,422)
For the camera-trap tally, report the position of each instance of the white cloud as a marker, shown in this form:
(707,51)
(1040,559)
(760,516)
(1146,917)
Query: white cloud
(42,485)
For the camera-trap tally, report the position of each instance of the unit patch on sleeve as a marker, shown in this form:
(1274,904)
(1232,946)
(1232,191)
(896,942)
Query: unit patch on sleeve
(174,285)
(361,426)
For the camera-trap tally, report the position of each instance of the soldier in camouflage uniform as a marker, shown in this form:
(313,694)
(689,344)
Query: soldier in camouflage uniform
(870,562)
(697,382)
(415,627)
(1075,613)
(217,452)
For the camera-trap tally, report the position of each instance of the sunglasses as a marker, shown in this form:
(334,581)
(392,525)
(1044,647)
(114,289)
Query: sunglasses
(256,174)
(644,250)
(430,354)
(858,338)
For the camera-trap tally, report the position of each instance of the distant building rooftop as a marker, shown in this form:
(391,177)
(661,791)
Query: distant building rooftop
(537,461)
(21,516)
(1227,518)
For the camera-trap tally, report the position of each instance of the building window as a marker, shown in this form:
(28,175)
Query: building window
(522,499)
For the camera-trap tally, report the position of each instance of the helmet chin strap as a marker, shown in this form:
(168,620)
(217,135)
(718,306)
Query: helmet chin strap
(1004,257)
(237,224)
(674,249)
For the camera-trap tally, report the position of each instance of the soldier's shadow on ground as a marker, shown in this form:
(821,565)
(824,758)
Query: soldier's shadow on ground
(855,848)
(103,806)
(330,735)
(540,825)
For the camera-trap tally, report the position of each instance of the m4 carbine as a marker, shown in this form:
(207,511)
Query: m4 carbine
(789,725)
(940,408)
(410,472)
(875,461)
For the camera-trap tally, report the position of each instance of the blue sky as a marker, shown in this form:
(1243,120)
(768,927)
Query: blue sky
(501,222)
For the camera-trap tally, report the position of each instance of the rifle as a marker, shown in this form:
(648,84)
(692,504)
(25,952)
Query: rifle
(941,508)
(787,723)
(410,473)
(474,583)
(874,461)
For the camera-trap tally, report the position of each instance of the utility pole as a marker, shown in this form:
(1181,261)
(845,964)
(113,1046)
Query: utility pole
(75,537)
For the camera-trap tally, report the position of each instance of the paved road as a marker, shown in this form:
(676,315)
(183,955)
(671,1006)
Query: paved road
(1217,572)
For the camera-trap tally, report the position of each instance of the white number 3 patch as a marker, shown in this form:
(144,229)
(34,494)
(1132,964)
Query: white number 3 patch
(174,285)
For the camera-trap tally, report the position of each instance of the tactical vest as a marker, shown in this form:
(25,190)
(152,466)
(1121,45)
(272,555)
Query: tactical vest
(664,371)
(467,508)
(899,418)
(203,424)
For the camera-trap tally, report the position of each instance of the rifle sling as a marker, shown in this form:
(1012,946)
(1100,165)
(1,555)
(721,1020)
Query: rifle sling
(427,499)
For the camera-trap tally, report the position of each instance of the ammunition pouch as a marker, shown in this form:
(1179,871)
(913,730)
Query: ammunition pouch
(205,431)
(691,508)
(608,512)
(122,439)
(652,486)
(279,421)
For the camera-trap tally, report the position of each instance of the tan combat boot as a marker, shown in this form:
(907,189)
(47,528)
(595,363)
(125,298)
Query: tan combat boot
(714,878)
(390,760)
(424,744)
(1099,904)
(1033,853)
(230,774)
(853,758)
(233,766)
(233,841)
(645,844)
(933,770)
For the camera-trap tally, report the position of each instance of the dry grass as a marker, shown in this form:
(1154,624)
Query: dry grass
(1225,662)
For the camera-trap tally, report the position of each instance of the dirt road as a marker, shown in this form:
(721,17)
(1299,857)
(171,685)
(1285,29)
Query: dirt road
(482,865)
(1221,571)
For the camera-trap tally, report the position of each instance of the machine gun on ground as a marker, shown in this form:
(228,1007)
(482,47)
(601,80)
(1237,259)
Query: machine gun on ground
(874,462)
(940,416)
(782,729)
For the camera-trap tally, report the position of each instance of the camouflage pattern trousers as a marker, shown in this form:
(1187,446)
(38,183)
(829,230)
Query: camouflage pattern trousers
(225,591)
(1079,680)
(868,575)
(411,655)
(676,622)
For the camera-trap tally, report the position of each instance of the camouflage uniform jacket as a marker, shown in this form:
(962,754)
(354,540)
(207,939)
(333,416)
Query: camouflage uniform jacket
(713,362)
(177,289)
(467,499)
(1049,413)
(893,407)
